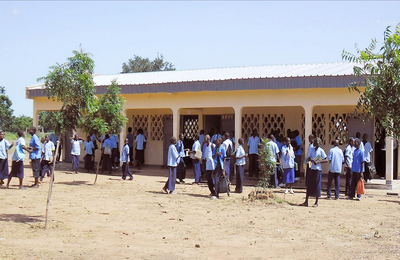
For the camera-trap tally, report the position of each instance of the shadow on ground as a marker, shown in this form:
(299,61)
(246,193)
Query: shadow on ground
(19,218)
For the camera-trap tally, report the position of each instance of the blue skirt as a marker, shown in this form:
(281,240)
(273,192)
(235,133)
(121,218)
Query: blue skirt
(3,169)
(17,169)
(288,175)
(314,183)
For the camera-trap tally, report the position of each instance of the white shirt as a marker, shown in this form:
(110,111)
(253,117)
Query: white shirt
(76,148)
(228,143)
(20,142)
(208,153)
(4,146)
(367,152)
(173,156)
(348,153)
(239,153)
(319,152)
(274,150)
(195,147)
(48,150)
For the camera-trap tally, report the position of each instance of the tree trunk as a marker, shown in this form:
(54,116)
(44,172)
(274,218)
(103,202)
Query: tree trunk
(51,183)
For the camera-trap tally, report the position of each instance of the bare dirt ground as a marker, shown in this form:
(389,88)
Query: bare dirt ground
(117,219)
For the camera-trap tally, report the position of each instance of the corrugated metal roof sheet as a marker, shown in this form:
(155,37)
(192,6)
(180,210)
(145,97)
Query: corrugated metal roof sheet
(281,71)
(260,72)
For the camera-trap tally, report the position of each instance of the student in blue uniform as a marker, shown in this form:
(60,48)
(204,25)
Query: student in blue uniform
(106,154)
(357,168)
(4,147)
(76,142)
(288,165)
(88,146)
(196,162)
(126,171)
(316,157)
(35,155)
(181,169)
(253,143)
(140,146)
(17,166)
(240,162)
(172,163)
(48,157)
(336,160)
(219,155)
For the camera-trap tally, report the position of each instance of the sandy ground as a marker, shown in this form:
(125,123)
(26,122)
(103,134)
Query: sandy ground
(117,219)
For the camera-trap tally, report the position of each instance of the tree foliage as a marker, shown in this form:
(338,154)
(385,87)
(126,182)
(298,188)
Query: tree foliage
(379,72)
(48,120)
(108,114)
(6,113)
(21,122)
(139,64)
(72,84)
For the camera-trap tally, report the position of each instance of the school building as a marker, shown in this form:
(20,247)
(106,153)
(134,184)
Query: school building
(311,98)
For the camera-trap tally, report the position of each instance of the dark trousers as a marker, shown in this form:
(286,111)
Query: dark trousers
(210,182)
(239,178)
(331,176)
(181,170)
(114,157)
(170,184)
(354,182)
(36,168)
(130,156)
(232,169)
(203,170)
(349,177)
(47,167)
(367,174)
(227,167)
(297,159)
(126,171)
(217,174)
(106,163)
(139,158)
(253,165)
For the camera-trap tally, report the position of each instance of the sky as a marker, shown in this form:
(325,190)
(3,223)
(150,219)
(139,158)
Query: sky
(35,35)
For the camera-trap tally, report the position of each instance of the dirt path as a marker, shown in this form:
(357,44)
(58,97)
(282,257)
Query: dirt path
(134,220)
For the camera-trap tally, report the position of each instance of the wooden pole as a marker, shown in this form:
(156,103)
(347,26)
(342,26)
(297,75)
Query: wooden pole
(97,169)
(51,184)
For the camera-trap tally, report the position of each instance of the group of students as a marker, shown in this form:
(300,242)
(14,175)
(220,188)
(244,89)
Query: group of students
(41,154)
(355,159)
(210,155)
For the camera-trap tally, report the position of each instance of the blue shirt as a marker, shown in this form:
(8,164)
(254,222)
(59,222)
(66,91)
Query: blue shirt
(358,158)
(125,154)
(48,150)
(53,138)
(139,141)
(129,136)
(298,142)
(314,153)
(201,139)
(19,153)
(219,159)
(215,137)
(4,146)
(348,152)
(76,148)
(107,142)
(88,147)
(35,143)
(180,148)
(239,153)
(208,153)
(173,156)
(279,144)
(287,158)
(114,141)
(336,159)
(253,144)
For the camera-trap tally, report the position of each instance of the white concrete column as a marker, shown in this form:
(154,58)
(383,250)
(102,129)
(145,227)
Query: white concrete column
(175,121)
(308,112)
(200,123)
(35,118)
(238,123)
(389,160)
(122,135)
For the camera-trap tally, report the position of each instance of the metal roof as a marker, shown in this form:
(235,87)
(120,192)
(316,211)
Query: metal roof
(224,79)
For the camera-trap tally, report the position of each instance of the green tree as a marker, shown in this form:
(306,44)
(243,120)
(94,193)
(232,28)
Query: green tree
(6,113)
(21,122)
(139,64)
(72,84)
(379,72)
(108,114)
(48,120)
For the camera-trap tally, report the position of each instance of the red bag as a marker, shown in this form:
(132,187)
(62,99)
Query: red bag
(360,187)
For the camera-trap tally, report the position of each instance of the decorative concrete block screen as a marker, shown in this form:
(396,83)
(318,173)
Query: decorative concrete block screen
(338,128)
(264,123)
(190,128)
(318,126)
(152,126)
